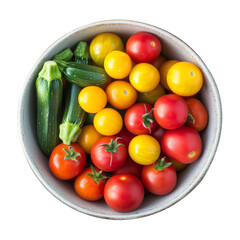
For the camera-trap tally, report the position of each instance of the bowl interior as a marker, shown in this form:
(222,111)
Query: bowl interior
(172,48)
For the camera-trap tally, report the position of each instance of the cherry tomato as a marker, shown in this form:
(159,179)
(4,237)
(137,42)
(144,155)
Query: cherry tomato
(103,44)
(183,144)
(170,111)
(66,162)
(177,165)
(118,64)
(104,86)
(144,77)
(124,192)
(184,79)
(125,135)
(143,47)
(89,185)
(158,133)
(109,153)
(108,122)
(159,61)
(164,70)
(144,149)
(130,167)
(152,96)
(139,119)
(159,178)
(88,137)
(199,114)
(121,94)
(92,99)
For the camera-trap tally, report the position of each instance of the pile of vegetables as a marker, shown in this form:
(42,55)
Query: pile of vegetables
(120,119)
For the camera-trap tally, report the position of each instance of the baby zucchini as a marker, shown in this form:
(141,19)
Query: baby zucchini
(83,75)
(73,117)
(49,106)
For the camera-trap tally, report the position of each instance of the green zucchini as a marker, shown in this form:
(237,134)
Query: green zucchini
(81,53)
(49,105)
(65,55)
(73,117)
(83,75)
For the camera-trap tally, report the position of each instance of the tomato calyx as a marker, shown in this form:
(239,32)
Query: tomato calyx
(97,176)
(112,147)
(190,119)
(147,119)
(161,164)
(71,154)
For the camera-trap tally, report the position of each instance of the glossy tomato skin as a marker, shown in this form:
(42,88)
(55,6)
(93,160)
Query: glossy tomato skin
(184,79)
(130,167)
(102,159)
(118,64)
(171,111)
(108,122)
(103,44)
(124,192)
(198,112)
(134,119)
(143,47)
(183,145)
(125,135)
(88,188)
(144,149)
(89,135)
(121,94)
(159,182)
(92,99)
(66,168)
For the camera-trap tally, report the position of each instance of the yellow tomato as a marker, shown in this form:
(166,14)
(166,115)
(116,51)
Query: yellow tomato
(121,94)
(185,79)
(88,137)
(103,44)
(118,64)
(92,99)
(177,165)
(108,122)
(164,70)
(152,96)
(144,149)
(144,77)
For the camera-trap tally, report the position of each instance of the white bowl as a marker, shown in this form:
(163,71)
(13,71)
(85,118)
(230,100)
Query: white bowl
(188,179)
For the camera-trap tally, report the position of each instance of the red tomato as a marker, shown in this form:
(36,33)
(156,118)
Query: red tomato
(199,114)
(159,178)
(66,162)
(158,133)
(125,135)
(158,62)
(124,192)
(89,185)
(143,47)
(183,145)
(170,111)
(130,167)
(139,119)
(109,153)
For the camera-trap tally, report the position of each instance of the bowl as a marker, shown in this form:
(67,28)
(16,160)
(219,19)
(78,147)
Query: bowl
(188,179)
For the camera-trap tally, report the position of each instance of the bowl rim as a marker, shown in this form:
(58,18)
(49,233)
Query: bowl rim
(129,215)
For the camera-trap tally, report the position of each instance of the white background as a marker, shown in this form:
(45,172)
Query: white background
(29,211)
